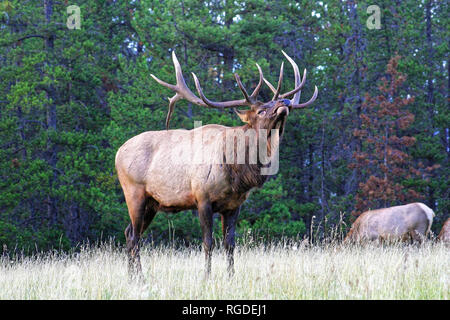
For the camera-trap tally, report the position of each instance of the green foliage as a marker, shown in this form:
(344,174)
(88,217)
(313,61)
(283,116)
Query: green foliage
(175,228)
(268,213)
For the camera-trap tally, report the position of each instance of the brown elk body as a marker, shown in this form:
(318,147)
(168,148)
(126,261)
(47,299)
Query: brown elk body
(154,180)
(444,235)
(408,222)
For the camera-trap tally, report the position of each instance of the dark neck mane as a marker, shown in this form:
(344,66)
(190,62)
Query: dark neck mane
(244,177)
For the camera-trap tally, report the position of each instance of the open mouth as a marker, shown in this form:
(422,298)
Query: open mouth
(279,125)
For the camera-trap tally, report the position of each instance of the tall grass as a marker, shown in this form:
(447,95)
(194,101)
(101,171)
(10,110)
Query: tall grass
(286,270)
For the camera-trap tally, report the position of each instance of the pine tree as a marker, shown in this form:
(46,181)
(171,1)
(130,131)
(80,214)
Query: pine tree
(383,160)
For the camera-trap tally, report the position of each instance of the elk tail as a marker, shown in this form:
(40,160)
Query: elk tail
(430,215)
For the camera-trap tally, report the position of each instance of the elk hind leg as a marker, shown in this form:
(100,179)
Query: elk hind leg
(416,237)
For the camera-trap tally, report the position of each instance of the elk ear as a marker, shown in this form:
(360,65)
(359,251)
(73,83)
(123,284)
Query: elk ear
(243,115)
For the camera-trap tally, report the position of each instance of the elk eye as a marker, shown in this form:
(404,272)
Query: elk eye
(261,112)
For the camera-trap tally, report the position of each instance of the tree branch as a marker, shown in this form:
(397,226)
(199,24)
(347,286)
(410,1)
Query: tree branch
(30,36)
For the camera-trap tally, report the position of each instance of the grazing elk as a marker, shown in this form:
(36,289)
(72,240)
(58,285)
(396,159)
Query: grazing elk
(157,172)
(444,235)
(408,222)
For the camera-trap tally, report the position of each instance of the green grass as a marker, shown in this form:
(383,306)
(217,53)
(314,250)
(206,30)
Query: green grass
(281,271)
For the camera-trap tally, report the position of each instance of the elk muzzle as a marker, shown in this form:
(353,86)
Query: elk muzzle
(282,108)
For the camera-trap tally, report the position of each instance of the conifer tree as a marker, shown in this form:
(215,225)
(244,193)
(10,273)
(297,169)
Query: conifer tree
(384,161)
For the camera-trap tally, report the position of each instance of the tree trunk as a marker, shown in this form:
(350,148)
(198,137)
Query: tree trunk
(430,87)
(51,117)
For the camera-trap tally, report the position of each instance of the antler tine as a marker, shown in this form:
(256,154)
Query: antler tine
(296,91)
(294,65)
(284,95)
(280,80)
(249,99)
(213,104)
(258,86)
(295,100)
(298,86)
(271,87)
(313,98)
(172,102)
(165,84)
(241,86)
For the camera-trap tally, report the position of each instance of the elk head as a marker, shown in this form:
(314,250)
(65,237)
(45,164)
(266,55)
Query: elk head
(269,115)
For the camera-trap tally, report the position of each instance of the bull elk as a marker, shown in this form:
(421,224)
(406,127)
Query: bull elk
(408,222)
(154,179)
(444,235)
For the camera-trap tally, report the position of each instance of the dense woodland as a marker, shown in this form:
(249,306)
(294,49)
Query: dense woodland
(378,134)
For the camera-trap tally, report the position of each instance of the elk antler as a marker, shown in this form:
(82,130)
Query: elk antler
(298,86)
(280,80)
(182,91)
(248,101)
(313,98)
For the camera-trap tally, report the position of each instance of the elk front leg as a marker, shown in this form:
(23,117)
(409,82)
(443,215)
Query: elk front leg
(229,220)
(206,223)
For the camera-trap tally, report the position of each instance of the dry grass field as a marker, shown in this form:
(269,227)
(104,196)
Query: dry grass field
(280,271)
